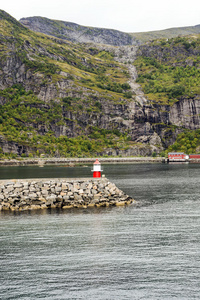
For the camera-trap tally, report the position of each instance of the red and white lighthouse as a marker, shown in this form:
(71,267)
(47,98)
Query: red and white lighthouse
(97,169)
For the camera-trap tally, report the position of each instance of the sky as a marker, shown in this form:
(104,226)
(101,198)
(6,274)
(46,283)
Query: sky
(123,15)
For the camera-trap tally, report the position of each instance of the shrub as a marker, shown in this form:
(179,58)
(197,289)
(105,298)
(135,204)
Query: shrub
(128,95)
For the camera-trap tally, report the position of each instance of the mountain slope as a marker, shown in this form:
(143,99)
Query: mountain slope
(166,33)
(61,98)
(71,99)
(77,33)
(83,34)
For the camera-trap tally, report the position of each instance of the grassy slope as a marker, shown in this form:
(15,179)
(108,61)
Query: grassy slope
(166,34)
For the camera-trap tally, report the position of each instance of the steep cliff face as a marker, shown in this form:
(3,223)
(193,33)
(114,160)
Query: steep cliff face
(169,74)
(102,111)
(77,33)
(51,89)
(186,113)
(167,121)
(54,92)
(14,147)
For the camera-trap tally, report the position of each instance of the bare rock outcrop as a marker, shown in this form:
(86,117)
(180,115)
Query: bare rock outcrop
(77,33)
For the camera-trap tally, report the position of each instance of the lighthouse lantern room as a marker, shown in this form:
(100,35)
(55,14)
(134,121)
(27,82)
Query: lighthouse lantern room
(97,169)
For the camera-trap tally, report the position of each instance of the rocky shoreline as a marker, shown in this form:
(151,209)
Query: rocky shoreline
(29,194)
(75,161)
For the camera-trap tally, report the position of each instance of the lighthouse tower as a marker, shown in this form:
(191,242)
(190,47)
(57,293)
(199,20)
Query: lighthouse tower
(97,169)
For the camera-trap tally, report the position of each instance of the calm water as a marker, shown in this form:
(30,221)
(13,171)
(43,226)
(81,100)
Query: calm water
(151,251)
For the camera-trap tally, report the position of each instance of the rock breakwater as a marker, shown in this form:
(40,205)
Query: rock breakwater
(20,195)
(76,161)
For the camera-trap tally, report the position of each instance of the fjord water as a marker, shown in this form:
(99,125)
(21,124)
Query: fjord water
(148,251)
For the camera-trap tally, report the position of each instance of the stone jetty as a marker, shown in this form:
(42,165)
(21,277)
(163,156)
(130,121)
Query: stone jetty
(29,194)
(76,161)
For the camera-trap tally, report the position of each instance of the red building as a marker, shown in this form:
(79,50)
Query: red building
(177,156)
(194,156)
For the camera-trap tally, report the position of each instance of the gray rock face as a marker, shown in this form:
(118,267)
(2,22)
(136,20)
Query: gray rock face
(77,33)
(186,113)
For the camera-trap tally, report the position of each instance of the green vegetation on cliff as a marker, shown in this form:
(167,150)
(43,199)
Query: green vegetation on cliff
(169,70)
(53,93)
(84,65)
(187,142)
(29,121)
(70,99)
